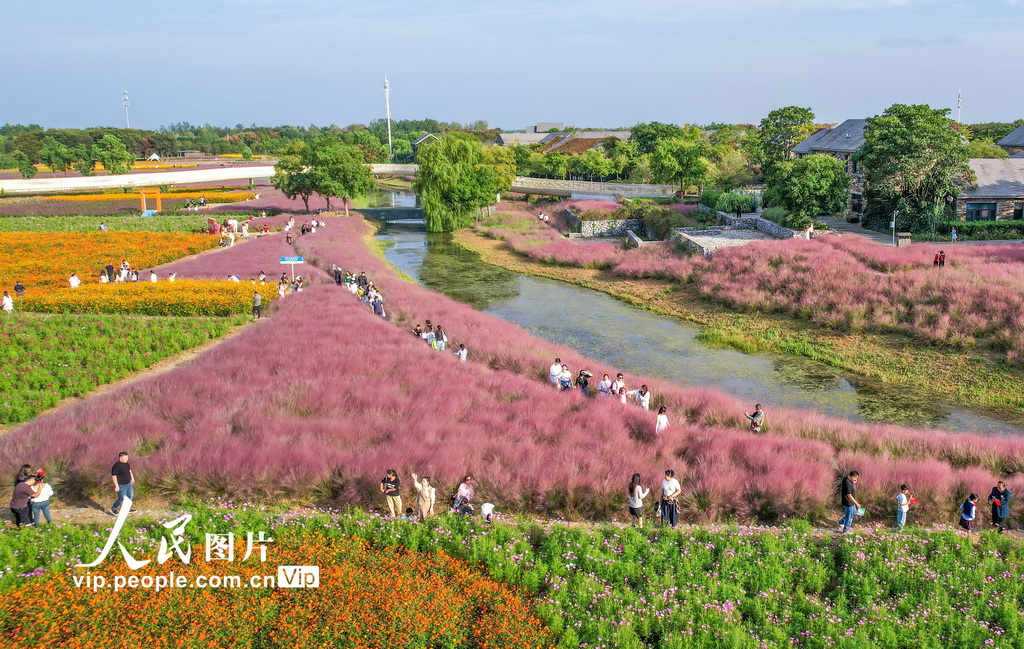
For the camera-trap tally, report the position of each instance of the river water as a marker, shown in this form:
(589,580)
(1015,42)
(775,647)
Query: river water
(639,342)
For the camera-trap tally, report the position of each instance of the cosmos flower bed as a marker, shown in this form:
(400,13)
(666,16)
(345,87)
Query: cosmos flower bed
(45,359)
(368,597)
(456,582)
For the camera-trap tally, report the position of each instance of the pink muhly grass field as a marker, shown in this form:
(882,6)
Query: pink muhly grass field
(245,259)
(268,414)
(852,284)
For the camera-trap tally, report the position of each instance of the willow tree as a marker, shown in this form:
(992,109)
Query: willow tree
(458,176)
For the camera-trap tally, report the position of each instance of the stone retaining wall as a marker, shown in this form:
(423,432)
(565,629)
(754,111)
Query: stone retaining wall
(609,228)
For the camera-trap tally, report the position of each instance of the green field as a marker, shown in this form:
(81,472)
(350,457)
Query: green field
(47,358)
(614,587)
(159,223)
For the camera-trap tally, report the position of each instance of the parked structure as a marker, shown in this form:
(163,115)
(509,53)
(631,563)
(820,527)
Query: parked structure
(999,193)
(1014,142)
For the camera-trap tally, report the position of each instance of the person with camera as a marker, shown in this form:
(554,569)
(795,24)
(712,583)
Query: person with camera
(391,487)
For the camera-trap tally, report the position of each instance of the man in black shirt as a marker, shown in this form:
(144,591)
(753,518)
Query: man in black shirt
(19,289)
(849,500)
(124,482)
(390,487)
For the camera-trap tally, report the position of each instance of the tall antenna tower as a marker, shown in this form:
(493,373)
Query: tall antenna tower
(959,101)
(124,100)
(387,109)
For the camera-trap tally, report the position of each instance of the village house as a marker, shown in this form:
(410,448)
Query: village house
(999,193)
(1014,142)
(842,143)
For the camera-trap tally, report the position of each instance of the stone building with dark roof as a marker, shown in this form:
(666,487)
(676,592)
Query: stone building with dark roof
(1014,142)
(998,194)
(842,143)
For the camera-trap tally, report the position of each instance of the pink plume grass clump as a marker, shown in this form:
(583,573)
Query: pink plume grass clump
(269,414)
(245,259)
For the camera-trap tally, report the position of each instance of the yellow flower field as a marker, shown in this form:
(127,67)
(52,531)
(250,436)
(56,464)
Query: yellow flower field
(179,298)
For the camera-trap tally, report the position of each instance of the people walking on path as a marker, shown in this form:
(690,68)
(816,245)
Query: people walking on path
(257,301)
(756,419)
(952,235)
(461,353)
(41,499)
(1000,501)
(637,493)
(604,387)
(390,486)
(583,382)
(902,506)
(7,303)
(848,500)
(662,422)
(440,338)
(425,495)
(670,491)
(642,396)
(554,371)
(124,482)
(968,512)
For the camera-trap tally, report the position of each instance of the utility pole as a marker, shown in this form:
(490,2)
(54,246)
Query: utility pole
(387,109)
(124,100)
(959,101)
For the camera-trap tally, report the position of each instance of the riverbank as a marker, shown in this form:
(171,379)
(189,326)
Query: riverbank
(972,379)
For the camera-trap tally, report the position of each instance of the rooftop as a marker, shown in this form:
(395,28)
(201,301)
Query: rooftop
(1015,138)
(997,178)
(848,137)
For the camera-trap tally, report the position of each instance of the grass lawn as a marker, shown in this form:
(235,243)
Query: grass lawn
(47,358)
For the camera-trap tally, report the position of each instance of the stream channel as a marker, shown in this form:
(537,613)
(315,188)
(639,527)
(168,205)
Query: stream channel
(639,342)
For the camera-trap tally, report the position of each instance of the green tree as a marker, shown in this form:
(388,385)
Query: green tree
(780,131)
(458,176)
(56,156)
(85,160)
(648,136)
(590,163)
(985,148)
(914,159)
(246,153)
(114,155)
(291,175)
(681,161)
(24,165)
(811,186)
(337,170)
(554,164)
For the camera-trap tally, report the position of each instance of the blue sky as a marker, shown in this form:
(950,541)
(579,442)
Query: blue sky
(582,62)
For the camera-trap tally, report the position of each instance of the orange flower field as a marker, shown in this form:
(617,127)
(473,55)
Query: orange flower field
(368,597)
(43,261)
(179,298)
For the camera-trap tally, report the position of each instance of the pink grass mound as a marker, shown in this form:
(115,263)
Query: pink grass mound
(320,398)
